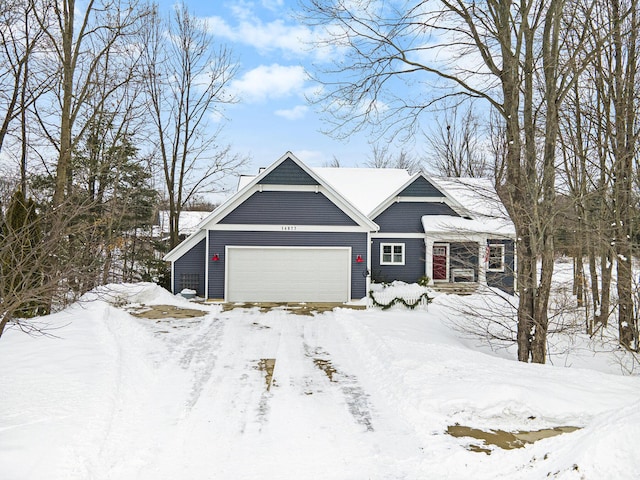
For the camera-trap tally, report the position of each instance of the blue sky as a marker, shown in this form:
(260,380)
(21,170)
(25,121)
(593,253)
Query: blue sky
(273,53)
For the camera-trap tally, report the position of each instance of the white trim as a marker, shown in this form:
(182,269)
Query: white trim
(447,247)
(367,282)
(396,235)
(400,199)
(225,292)
(392,245)
(173,277)
(287,228)
(475,238)
(254,186)
(482,264)
(269,187)
(502,257)
(428,260)
(185,246)
(515,267)
(206,266)
(364,222)
(395,197)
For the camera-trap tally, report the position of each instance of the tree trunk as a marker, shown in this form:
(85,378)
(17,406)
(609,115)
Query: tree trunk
(624,91)
(64,156)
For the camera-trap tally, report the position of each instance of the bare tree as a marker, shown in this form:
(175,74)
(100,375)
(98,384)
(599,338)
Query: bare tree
(333,163)
(511,55)
(187,81)
(456,145)
(36,262)
(599,146)
(83,43)
(381,157)
(625,19)
(20,38)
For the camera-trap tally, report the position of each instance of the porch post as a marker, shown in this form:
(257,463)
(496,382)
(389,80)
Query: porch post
(482,264)
(428,261)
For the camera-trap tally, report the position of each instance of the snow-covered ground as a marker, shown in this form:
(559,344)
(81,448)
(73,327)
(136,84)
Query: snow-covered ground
(355,395)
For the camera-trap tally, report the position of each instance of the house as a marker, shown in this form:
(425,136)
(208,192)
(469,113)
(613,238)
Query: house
(295,233)
(189,222)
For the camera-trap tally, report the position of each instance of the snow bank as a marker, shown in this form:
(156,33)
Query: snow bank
(354,394)
(134,293)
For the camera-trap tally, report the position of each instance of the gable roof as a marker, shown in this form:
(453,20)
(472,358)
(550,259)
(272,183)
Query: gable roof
(365,188)
(372,190)
(287,170)
(294,172)
(416,186)
(364,193)
(485,212)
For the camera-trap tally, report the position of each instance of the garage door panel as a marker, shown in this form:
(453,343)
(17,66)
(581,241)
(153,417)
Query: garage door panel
(288,274)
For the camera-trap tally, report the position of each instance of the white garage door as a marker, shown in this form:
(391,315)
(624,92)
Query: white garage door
(288,274)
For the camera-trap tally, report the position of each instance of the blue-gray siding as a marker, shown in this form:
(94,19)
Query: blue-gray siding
(190,264)
(219,239)
(464,255)
(504,280)
(288,173)
(414,259)
(406,217)
(287,208)
(421,187)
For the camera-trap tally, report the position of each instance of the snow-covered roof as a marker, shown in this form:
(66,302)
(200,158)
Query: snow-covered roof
(477,195)
(368,188)
(365,188)
(481,203)
(189,221)
(466,226)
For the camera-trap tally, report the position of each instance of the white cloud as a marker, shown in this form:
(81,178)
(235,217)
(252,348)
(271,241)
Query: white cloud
(289,38)
(270,82)
(272,4)
(295,113)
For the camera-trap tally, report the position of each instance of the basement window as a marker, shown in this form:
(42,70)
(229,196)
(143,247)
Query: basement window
(190,281)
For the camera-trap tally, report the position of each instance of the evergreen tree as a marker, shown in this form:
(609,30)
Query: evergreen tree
(22,270)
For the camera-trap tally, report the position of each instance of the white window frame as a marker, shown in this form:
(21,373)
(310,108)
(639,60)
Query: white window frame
(502,248)
(392,245)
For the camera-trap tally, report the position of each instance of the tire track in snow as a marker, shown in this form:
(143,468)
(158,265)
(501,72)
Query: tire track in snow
(200,356)
(356,399)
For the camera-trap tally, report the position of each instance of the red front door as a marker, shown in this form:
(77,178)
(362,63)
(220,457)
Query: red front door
(439,262)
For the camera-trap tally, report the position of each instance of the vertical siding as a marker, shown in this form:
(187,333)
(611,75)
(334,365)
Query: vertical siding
(219,239)
(287,208)
(288,173)
(421,187)
(406,217)
(504,280)
(191,263)
(414,259)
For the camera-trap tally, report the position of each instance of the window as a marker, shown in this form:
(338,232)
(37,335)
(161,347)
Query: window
(439,251)
(495,258)
(392,254)
(189,280)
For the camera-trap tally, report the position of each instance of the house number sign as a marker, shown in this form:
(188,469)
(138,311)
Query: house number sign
(288,228)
